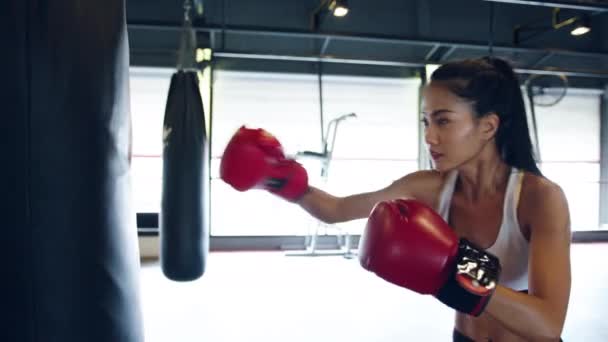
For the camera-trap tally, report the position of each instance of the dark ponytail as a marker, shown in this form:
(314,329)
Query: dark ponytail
(492,86)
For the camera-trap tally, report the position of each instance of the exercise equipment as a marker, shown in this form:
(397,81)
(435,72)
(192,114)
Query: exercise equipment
(184,233)
(344,238)
(70,256)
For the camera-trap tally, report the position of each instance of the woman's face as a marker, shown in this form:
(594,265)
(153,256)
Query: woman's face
(453,134)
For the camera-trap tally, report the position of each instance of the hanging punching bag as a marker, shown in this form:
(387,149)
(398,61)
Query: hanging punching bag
(184,204)
(183,217)
(70,263)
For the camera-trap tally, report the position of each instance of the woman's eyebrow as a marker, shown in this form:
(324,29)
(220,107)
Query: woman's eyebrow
(437,112)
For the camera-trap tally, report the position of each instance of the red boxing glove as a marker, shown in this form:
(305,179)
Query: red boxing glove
(254,158)
(406,243)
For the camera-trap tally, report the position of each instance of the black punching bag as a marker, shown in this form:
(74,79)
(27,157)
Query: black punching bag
(183,217)
(70,263)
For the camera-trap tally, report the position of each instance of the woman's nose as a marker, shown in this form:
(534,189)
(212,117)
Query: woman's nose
(430,135)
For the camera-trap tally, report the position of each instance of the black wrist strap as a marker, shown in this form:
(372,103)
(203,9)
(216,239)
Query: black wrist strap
(479,265)
(455,296)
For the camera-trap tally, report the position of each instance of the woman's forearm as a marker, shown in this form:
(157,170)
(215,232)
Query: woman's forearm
(320,205)
(332,209)
(526,315)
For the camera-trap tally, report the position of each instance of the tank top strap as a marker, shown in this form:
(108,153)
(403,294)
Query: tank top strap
(512,199)
(445,196)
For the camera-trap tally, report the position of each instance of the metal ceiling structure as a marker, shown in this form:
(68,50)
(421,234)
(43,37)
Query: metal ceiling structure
(256,31)
(529,60)
(588,5)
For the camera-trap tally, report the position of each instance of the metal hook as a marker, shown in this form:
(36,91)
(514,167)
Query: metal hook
(187,10)
(187,55)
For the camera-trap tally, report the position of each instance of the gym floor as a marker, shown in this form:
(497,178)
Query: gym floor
(272,297)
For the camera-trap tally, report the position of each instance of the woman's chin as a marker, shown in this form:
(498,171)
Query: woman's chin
(441,166)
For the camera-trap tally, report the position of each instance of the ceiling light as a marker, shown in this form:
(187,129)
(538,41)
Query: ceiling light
(581,27)
(579,31)
(338,7)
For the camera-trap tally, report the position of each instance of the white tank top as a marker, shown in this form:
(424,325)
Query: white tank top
(511,247)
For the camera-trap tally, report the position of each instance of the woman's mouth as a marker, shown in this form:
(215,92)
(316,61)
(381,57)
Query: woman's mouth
(436,155)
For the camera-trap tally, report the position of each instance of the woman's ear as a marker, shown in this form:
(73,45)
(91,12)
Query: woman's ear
(489,125)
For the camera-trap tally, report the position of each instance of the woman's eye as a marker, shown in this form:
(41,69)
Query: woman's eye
(425,122)
(442,121)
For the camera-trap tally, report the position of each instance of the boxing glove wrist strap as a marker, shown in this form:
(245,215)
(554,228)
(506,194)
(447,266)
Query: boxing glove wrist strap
(473,281)
(291,183)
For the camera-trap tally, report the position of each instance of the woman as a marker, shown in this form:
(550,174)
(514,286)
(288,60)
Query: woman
(485,184)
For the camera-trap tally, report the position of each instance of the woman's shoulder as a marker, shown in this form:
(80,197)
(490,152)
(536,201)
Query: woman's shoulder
(536,187)
(423,185)
(539,192)
(423,178)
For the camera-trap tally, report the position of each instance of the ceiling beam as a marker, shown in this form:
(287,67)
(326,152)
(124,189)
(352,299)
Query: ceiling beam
(415,42)
(589,5)
(366,38)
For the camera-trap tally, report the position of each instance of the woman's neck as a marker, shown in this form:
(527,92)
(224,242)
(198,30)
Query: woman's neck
(484,176)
